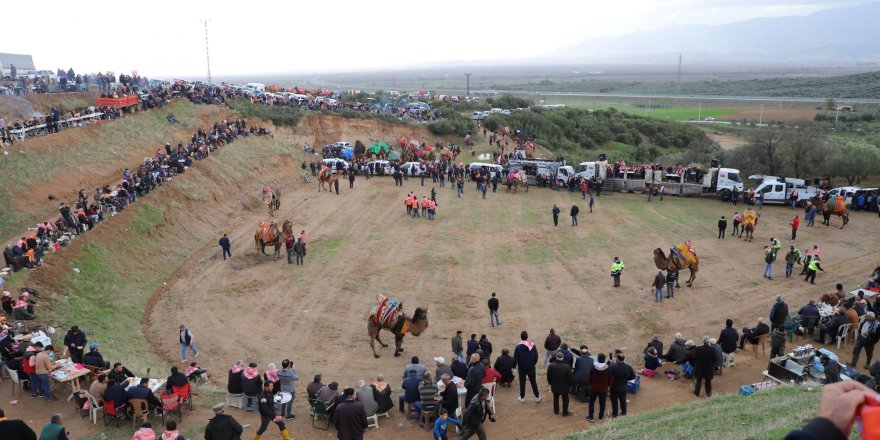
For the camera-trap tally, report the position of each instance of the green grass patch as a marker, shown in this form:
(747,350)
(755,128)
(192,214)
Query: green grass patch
(148,217)
(536,253)
(686,113)
(278,115)
(763,415)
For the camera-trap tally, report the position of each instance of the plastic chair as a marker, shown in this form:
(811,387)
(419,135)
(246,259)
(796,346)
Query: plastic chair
(491,387)
(318,410)
(373,421)
(809,324)
(171,404)
(427,416)
(762,341)
(111,410)
(140,410)
(842,334)
(235,400)
(93,408)
(15,380)
(185,395)
(729,359)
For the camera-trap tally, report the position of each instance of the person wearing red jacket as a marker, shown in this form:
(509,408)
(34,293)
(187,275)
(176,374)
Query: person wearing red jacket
(600,382)
(794,227)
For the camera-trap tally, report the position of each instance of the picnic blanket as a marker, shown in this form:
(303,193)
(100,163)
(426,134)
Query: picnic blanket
(387,312)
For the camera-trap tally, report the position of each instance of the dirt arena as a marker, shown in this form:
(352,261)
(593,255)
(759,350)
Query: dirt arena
(361,243)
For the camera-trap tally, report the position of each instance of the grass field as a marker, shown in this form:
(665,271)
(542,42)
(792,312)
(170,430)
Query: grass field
(668,110)
(764,415)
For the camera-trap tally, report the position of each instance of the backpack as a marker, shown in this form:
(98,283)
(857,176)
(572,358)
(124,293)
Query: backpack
(873,333)
(770,257)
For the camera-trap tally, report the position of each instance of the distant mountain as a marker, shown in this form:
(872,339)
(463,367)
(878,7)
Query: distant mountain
(848,34)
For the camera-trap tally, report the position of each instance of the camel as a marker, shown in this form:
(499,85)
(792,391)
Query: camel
(679,258)
(268,234)
(388,315)
(750,221)
(514,181)
(326,175)
(835,207)
(272,199)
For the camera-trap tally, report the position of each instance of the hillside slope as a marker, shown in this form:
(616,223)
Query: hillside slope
(764,415)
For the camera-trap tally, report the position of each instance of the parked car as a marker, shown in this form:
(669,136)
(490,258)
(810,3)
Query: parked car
(337,165)
(380,167)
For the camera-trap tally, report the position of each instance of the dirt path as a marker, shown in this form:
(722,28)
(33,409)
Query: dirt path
(362,243)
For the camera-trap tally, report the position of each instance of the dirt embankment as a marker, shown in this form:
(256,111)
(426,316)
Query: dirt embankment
(35,104)
(319,130)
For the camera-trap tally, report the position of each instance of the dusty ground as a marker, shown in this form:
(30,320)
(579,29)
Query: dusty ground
(362,243)
(772,113)
(727,142)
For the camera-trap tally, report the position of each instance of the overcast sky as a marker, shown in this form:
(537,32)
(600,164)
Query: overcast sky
(166,38)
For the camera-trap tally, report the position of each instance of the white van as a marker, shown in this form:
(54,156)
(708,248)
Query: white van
(848,192)
(380,167)
(337,165)
(256,87)
(411,168)
(493,168)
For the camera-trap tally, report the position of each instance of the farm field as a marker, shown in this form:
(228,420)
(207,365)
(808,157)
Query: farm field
(157,265)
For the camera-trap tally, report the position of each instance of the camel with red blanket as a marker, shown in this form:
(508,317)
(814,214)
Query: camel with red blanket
(268,234)
(388,314)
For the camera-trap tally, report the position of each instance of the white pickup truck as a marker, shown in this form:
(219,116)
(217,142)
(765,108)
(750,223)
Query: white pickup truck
(779,189)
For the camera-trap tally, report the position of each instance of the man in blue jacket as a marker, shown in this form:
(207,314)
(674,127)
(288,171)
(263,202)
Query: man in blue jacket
(525,358)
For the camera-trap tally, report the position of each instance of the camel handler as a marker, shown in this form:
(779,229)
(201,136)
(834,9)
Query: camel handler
(616,270)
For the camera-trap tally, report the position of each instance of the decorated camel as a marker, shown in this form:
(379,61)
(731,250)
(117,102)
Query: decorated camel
(272,199)
(269,235)
(749,223)
(835,206)
(680,257)
(514,180)
(326,175)
(388,314)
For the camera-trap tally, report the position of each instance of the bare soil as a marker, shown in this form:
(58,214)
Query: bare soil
(772,113)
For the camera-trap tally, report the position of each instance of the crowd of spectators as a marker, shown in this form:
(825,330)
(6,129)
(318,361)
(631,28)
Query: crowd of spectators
(91,208)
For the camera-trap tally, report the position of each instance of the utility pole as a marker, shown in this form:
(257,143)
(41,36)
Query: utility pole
(761,118)
(679,73)
(468,76)
(207,52)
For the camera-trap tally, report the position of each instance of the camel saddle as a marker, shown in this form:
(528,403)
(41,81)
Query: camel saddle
(837,204)
(387,313)
(683,257)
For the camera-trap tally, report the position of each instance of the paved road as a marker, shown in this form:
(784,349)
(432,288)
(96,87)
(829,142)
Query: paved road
(488,92)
